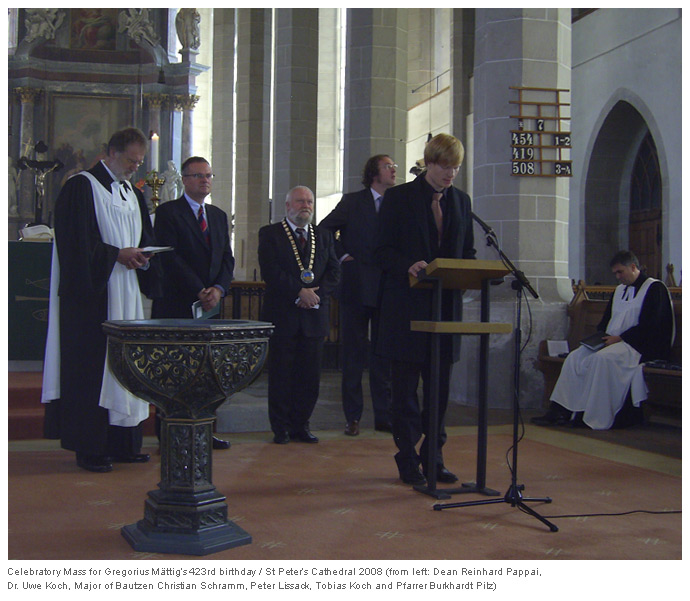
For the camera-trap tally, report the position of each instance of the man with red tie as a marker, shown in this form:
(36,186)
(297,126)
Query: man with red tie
(201,266)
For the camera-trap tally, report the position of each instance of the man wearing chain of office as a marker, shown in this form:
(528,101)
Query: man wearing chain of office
(300,269)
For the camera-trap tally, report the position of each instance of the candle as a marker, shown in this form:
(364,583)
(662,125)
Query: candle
(154,152)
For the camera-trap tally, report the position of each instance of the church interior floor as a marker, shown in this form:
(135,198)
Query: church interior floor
(656,444)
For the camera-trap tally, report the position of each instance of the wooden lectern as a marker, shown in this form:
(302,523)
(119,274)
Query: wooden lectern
(459,274)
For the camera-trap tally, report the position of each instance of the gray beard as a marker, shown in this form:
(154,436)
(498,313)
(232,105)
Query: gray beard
(299,221)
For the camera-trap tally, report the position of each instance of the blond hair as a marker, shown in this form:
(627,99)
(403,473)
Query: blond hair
(444,149)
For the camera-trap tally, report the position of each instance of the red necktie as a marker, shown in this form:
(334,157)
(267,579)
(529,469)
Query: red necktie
(202,223)
(438,213)
(300,237)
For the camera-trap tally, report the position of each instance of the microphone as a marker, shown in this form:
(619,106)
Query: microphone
(487,229)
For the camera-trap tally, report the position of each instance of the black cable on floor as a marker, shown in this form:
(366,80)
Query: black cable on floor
(588,515)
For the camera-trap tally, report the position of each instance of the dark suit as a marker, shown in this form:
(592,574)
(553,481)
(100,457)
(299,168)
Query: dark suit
(356,218)
(296,346)
(194,264)
(407,234)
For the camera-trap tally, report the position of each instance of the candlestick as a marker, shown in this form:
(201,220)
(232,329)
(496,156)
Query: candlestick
(155,182)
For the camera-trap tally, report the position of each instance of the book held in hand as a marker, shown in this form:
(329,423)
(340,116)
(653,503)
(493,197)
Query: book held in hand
(594,342)
(153,250)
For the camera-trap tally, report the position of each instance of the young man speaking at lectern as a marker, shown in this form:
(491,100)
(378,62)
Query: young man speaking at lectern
(423,220)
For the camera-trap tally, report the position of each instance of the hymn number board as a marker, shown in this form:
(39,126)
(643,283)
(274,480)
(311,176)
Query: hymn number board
(541,143)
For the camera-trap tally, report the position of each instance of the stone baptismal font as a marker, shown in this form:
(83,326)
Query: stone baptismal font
(187,369)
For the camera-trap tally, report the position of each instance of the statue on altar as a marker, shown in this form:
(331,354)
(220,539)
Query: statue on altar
(43,23)
(187,25)
(137,23)
(172,188)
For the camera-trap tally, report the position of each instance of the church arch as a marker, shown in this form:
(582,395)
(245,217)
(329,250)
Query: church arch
(625,161)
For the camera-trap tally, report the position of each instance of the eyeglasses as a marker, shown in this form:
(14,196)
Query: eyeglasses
(132,162)
(390,166)
(199,175)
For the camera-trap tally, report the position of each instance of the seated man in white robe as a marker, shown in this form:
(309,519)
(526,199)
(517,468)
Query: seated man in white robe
(638,326)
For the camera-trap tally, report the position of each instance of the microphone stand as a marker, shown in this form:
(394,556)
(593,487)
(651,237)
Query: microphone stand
(514,494)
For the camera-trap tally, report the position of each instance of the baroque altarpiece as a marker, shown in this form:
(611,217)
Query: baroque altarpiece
(75,76)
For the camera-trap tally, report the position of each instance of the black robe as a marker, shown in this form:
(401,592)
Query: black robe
(86,263)
(652,337)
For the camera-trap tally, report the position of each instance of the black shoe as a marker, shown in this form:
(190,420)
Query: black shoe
(444,476)
(413,477)
(218,443)
(557,415)
(352,428)
(281,438)
(94,463)
(304,435)
(383,427)
(577,421)
(138,458)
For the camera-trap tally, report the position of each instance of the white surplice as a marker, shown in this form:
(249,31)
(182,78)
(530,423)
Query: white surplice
(119,223)
(597,383)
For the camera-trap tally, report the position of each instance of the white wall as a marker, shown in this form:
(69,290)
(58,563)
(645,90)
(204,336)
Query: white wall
(632,55)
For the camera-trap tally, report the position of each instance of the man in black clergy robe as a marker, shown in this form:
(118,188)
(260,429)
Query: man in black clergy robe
(420,221)
(87,264)
(604,388)
(301,272)
(200,267)
(356,217)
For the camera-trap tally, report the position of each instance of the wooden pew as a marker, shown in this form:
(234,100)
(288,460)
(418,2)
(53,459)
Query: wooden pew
(585,311)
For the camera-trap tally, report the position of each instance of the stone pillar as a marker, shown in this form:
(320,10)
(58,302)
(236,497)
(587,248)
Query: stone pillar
(174,105)
(376,89)
(296,87)
(524,48)
(330,106)
(27,97)
(462,61)
(253,147)
(187,103)
(154,103)
(528,48)
(223,125)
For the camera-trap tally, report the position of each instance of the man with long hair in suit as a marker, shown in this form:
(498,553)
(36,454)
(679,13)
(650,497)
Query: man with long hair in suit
(356,218)
(420,221)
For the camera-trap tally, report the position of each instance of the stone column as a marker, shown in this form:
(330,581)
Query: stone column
(223,125)
(154,103)
(173,104)
(462,61)
(523,48)
(330,106)
(296,86)
(27,97)
(187,103)
(376,89)
(253,144)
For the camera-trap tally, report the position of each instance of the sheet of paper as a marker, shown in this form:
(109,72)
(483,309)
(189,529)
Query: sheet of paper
(557,347)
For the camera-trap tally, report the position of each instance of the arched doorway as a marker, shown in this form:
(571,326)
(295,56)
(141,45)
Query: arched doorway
(622,195)
(645,208)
